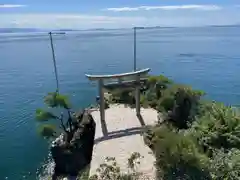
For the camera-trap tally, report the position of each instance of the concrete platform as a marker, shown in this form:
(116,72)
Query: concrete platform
(122,136)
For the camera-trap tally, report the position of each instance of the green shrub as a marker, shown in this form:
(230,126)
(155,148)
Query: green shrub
(154,87)
(125,96)
(205,106)
(56,100)
(161,82)
(143,101)
(226,166)
(166,102)
(185,107)
(181,104)
(218,128)
(151,98)
(110,170)
(177,156)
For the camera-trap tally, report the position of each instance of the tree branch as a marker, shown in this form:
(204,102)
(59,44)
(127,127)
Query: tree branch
(62,124)
(69,120)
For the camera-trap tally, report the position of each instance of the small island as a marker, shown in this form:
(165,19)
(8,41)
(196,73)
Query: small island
(187,136)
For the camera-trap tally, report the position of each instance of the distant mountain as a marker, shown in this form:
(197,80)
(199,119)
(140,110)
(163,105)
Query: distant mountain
(234,25)
(19,30)
(34,30)
(66,30)
(159,27)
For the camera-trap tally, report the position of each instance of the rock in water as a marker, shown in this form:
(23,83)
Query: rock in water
(71,158)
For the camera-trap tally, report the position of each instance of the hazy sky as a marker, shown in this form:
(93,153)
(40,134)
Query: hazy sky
(82,14)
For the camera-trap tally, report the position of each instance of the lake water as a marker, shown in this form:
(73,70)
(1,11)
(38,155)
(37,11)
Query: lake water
(207,58)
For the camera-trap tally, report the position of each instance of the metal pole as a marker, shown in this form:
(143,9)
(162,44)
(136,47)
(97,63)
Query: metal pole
(54,61)
(135,49)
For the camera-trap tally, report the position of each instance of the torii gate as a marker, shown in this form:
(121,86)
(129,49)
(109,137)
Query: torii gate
(136,78)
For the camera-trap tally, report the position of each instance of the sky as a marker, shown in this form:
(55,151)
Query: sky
(85,14)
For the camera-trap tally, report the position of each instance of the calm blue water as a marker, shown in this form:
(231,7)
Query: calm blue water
(207,58)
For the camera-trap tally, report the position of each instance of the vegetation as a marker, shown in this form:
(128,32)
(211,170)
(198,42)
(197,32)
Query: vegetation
(179,103)
(71,151)
(177,155)
(196,139)
(57,102)
(111,171)
(125,96)
(218,128)
(225,165)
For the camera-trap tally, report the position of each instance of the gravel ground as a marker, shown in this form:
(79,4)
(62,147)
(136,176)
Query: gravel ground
(123,139)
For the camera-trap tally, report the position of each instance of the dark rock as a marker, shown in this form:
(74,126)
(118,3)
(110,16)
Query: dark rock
(71,158)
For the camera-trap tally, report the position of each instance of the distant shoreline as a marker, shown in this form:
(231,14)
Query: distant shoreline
(36,30)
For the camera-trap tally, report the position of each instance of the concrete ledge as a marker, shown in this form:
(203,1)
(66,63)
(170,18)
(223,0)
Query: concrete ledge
(123,138)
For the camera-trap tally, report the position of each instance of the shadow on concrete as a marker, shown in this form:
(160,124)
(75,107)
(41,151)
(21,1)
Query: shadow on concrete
(120,133)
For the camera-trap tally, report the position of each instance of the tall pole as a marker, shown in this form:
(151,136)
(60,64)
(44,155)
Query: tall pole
(135,49)
(54,61)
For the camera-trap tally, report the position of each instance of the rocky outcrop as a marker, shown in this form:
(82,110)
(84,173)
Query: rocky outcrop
(71,158)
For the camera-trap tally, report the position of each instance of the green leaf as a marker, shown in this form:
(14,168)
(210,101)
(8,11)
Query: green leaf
(42,115)
(47,130)
(57,100)
(159,79)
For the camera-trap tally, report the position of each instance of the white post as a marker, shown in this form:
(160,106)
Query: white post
(102,103)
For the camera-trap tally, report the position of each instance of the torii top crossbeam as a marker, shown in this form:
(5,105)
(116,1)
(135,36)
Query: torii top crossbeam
(135,76)
(116,76)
